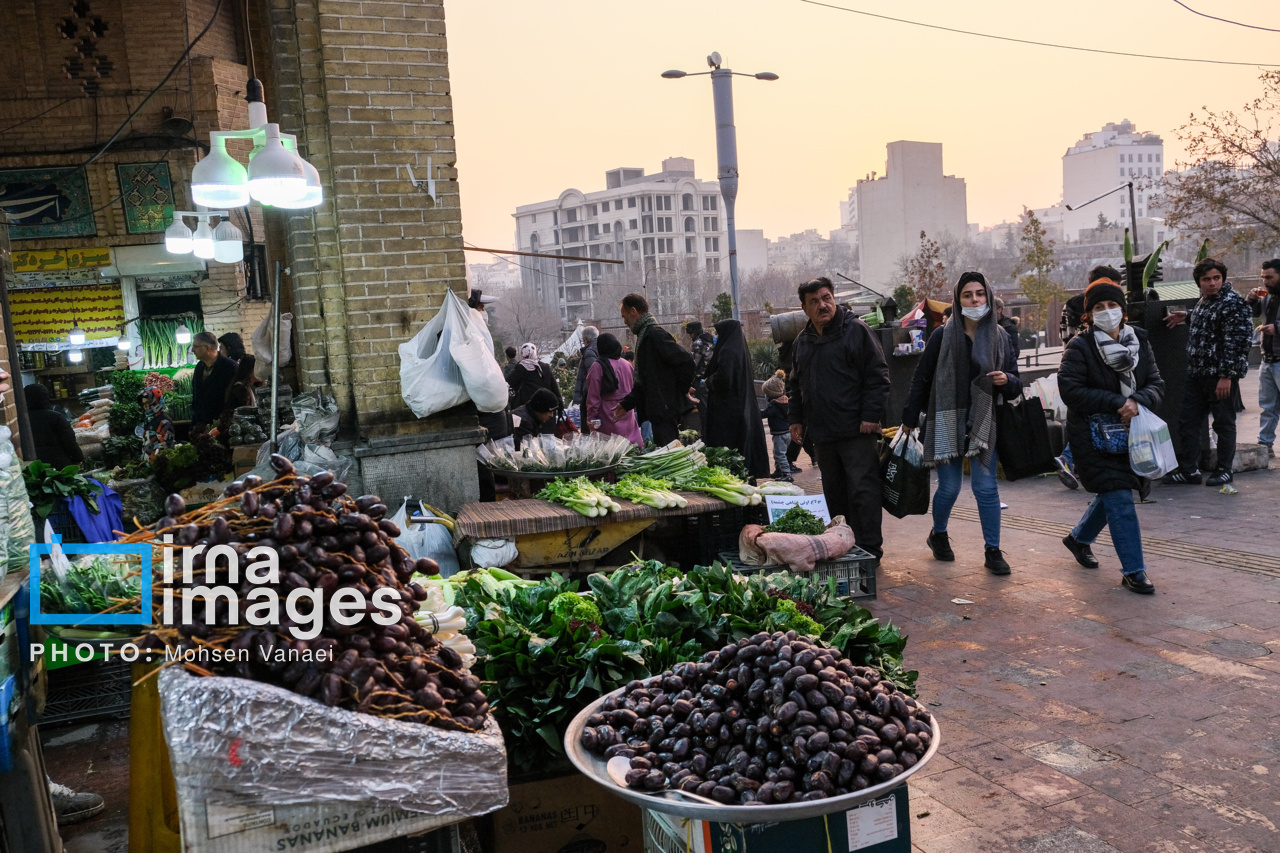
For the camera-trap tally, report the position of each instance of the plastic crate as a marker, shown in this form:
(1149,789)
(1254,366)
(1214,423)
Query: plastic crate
(854,573)
(704,537)
(63,524)
(88,690)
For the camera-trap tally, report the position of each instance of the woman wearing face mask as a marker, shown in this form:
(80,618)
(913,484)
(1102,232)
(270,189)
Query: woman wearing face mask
(965,365)
(1108,372)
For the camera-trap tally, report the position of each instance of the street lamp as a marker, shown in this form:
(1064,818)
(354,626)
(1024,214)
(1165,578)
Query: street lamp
(726,151)
(1133,211)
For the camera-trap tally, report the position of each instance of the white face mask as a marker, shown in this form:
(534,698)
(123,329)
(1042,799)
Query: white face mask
(1108,319)
(975,312)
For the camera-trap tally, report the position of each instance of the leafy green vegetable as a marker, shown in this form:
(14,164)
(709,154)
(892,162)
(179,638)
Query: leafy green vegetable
(729,459)
(570,606)
(580,495)
(91,586)
(124,417)
(797,520)
(46,486)
(799,622)
(121,450)
(126,385)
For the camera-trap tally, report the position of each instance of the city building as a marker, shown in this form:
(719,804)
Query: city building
(498,275)
(1101,161)
(668,230)
(753,251)
(913,196)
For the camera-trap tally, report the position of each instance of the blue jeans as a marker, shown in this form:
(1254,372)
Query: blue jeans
(1269,401)
(1114,509)
(1067,457)
(781,441)
(985,492)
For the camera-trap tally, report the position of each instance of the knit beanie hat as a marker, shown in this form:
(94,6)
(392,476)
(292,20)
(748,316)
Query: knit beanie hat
(774,386)
(1102,290)
(542,401)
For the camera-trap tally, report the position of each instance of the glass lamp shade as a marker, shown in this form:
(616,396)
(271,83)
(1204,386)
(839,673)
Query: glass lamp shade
(177,238)
(276,174)
(124,344)
(219,180)
(75,356)
(228,245)
(182,334)
(202,241)
(76,336)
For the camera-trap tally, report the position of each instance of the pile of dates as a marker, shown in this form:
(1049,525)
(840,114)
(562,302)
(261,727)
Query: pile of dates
(772,719)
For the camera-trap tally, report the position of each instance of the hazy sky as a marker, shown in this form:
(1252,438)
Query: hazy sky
(550,94)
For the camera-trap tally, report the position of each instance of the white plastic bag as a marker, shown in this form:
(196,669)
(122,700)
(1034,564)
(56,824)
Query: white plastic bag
(261,343)
(1151,453)
(427,540)
(1046,389)
(493,553)
(451,361)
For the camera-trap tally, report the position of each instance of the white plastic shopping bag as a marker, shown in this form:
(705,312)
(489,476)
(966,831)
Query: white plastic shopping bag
(261,343)
(1151,451)
(451,361)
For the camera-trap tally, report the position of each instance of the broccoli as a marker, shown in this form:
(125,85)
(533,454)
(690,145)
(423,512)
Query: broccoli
(569,607)
(798,622)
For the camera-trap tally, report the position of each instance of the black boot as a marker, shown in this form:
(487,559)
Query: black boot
(1082,552)
(940,547)
(996,563)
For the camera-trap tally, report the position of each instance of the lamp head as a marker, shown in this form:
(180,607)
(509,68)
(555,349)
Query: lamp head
(202,241)
(673,74)
(766,75)
(124,344)
(76,336)
(182,334)
(228,243)
(219,180)
(314,193)
(177,237)
(75,356)
(276,174)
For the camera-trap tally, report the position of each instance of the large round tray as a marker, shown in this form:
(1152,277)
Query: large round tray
(594,768)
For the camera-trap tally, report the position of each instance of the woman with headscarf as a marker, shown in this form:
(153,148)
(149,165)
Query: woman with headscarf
(529,375)
(609,379)
(54,438)
(157,426)
(1107,372)
(733,416)
(966,364)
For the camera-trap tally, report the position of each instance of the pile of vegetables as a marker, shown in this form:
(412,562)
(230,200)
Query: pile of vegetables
(673,462)
(648,491)
(121,450)
(201,460)
(542,665)
(719,483)
(125,416)
(48,486)
(580,495)
(770,719)
(92,584)
(727,458)
(243,432)
(797,520)
(552,455)
(328,542)
(160,347)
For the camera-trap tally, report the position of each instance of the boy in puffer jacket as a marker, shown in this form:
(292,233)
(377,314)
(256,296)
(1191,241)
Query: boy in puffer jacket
(775,389)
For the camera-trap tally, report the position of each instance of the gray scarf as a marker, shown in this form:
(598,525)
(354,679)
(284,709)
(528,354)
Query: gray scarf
(640,329)
(1120,355)
(961,419)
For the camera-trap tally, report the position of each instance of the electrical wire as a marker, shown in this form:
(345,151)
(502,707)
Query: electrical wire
(1037,43)
(36,116)
(212,19)
(1225,20)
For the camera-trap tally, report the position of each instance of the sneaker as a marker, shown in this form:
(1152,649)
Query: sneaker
(71,807)
(1219,478)
(1183,478)
(1137,582)
(940,546)
(783,478)
(1271,451)
(1082,552)
(995,562)
(1065,475)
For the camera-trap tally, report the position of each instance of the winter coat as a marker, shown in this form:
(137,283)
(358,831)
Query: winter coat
(663,376)
(524,382)
(733,416)
(840,379)
(209,390)
(1089,387)
(1266,308)
(54,438)
(589,356)
(776,413)
(1220,337)
(922,380)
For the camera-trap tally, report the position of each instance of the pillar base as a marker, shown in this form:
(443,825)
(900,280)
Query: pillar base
(439,468)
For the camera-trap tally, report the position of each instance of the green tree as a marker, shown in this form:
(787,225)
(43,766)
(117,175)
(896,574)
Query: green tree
(1103,222)
(1036,264)
(722,308)
(905,297)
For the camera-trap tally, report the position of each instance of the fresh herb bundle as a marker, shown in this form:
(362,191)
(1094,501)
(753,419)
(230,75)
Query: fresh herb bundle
(92,585)
(797,520)
(47,486)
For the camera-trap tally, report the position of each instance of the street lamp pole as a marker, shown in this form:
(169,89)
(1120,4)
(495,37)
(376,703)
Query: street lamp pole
(726,153)
(1133,210)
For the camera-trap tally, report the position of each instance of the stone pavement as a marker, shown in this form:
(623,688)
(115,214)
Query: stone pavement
(1077,716)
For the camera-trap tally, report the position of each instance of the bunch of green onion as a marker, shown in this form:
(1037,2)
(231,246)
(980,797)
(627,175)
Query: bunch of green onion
(648,491)
(672,462)
(580,495)
(719,483)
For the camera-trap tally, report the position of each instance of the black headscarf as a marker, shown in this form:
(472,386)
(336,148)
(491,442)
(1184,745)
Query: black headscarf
(609,348)
(733,417)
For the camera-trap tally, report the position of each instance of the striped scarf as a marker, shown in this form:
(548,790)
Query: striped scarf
(1120,355)
(961,419)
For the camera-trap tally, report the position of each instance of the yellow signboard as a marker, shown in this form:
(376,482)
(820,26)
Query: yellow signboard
(81,258)
(41,260)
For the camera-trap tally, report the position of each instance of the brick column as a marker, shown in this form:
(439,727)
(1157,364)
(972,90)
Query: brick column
(365,86)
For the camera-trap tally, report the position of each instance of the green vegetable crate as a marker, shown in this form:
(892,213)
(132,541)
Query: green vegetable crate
(854,573)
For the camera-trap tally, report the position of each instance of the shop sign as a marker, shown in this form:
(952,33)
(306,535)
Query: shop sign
(45,260)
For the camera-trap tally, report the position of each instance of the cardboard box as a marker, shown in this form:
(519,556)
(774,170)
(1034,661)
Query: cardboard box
(568,813)
(244,457)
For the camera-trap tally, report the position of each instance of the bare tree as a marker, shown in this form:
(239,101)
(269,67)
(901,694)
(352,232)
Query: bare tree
(522,318)
(924,272)
(1230,185)
(1037,259)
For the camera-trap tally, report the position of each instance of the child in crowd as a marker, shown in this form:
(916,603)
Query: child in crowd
(775,388)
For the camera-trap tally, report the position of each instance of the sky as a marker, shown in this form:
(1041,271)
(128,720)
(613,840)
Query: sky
(549,95)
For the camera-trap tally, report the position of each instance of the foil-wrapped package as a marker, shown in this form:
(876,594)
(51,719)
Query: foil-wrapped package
(247,738)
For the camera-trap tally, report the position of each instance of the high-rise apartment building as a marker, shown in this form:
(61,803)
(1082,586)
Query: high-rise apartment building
(913,196)
(1101,161)
(666,228)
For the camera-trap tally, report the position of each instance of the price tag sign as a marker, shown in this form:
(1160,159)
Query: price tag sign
(778,504)
(872,823)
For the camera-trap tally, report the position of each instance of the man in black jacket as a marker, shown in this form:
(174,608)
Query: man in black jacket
(213,375)
(838,391)
(663,375)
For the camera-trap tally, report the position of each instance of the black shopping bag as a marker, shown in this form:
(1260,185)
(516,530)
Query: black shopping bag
(1022,439)
(904,481)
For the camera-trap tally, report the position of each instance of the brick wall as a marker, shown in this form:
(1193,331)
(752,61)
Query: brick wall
(366,88)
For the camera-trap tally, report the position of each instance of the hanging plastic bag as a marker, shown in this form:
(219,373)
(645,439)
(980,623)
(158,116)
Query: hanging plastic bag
(449,361)
(1151,453)
(261,343)
(17,529)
